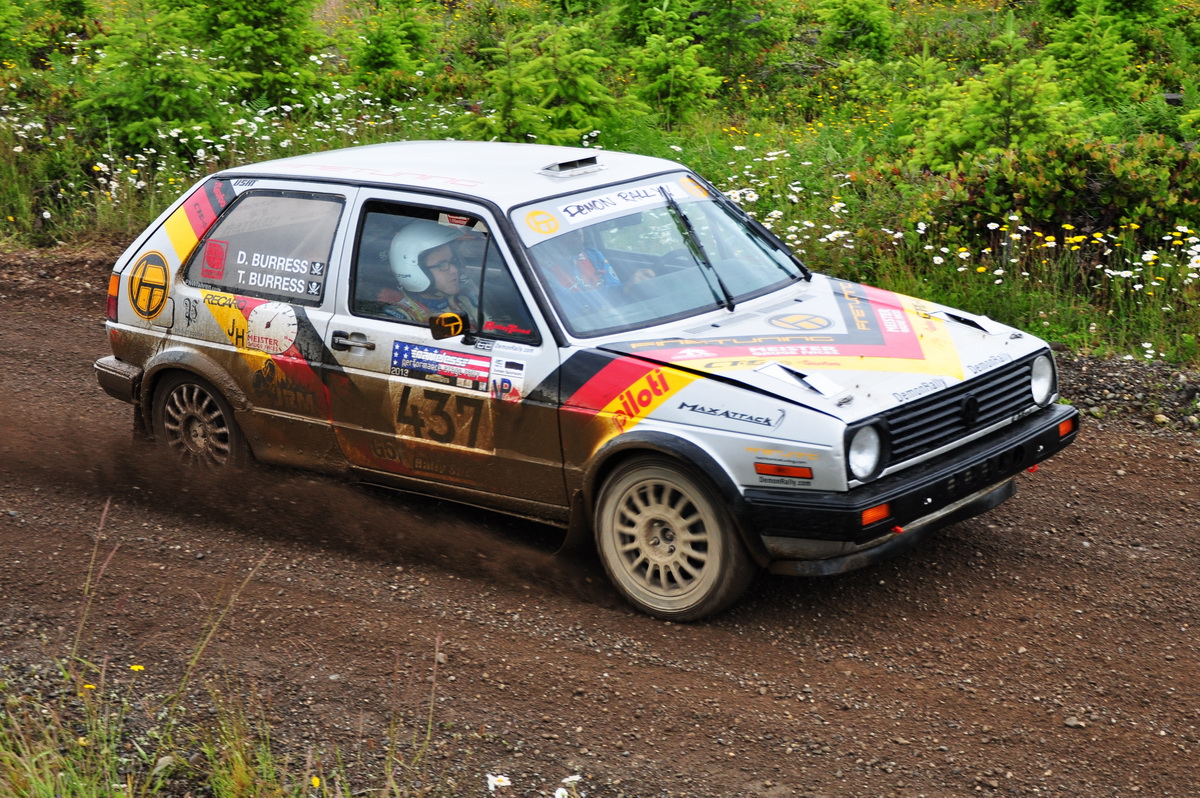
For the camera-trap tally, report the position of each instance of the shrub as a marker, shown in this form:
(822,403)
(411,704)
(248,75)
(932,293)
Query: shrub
(548,88)
(862,25)
(150,80)
(1095,64)
(390,49)
(1149,181)
(671,79)
(635,20)
(274,43)
(737,34)
(1008,108)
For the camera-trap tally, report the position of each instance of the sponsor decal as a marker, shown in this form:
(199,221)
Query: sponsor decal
(191,311)
(276,389)
(773,420)
(617,394)
(794,351)
(637,401)
(923,389)
(508,379)
(441,365)
(148,282)
(875,330)
(507,346)
(541,222)
(893,320)
(507,329)
(693,188)
(613,202)
(224,300)
(271,327)
(782,455)
(213,265)
(791,482)
(990,363)
(801,321)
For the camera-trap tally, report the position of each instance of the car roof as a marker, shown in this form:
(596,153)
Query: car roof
(505,173)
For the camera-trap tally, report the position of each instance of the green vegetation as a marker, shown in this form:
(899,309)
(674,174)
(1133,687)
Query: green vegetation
(1034,162)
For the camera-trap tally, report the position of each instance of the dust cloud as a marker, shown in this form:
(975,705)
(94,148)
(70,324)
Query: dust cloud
(292,507)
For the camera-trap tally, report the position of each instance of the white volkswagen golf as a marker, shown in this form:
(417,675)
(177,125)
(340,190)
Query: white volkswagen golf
(594,339)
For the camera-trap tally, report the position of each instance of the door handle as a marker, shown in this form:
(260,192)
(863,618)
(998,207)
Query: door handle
(343,340)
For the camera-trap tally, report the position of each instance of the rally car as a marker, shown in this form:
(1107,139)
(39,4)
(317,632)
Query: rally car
(594,339)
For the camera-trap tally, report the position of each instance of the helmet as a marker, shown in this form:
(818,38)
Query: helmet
(417,238)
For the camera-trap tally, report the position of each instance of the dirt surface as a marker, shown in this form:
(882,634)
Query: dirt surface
(1046,648)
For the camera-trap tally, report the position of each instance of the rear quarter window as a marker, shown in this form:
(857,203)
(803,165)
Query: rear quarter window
(269,244)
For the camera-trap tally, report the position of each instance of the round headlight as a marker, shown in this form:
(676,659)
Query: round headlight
(1041,380)
(863,452)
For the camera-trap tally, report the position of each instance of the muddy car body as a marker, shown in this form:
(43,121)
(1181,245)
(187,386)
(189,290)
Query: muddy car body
(621,351)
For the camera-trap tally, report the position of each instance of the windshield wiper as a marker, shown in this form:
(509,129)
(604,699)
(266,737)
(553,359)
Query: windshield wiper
(693,241)
(763,235)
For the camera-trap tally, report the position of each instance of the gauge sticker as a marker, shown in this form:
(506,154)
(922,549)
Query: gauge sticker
(271,327)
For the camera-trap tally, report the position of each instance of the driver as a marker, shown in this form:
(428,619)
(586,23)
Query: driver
(429,279)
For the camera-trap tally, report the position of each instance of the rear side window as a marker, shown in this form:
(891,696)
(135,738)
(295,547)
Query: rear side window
(270,244)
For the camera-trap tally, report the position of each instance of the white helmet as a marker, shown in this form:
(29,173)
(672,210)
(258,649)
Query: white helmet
(417,238)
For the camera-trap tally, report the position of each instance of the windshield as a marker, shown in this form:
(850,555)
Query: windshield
(656,253)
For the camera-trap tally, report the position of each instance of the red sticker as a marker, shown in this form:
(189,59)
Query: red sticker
(214,259)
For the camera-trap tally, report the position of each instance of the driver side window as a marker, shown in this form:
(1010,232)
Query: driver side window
(412,263)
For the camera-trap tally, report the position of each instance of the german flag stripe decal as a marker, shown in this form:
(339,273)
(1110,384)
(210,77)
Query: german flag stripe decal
(196,215)
(607,384)
(623,393)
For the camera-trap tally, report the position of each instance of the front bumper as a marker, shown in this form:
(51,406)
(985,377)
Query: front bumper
(818,526)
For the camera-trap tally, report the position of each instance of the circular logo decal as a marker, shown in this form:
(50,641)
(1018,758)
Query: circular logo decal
(541,222)
(693,188)
(148,285)
(801,321)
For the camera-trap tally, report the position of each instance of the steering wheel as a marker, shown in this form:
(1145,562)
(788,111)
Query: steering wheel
(675,260)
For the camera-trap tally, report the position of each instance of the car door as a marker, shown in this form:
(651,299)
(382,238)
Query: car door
(460,412)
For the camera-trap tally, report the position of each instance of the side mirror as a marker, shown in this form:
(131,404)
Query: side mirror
(450,325)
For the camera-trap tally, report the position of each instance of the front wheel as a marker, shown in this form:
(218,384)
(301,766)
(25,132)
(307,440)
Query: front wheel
(668,543)
(195,423)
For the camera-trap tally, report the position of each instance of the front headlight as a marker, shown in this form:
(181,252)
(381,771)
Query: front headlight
(1041,380)
(864,452)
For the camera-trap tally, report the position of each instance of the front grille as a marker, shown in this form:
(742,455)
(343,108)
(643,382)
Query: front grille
(933,422)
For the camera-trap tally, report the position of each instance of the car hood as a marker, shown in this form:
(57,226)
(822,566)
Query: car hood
(843,348)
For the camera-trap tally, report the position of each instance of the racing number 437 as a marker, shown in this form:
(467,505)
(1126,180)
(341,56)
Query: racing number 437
(441,416)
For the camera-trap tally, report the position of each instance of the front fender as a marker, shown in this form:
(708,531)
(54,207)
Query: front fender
(687,454)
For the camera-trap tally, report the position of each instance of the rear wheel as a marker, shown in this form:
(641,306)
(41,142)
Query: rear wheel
(667,541)
(195,423)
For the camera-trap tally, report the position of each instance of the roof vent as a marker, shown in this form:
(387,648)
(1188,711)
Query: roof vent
(568,168)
